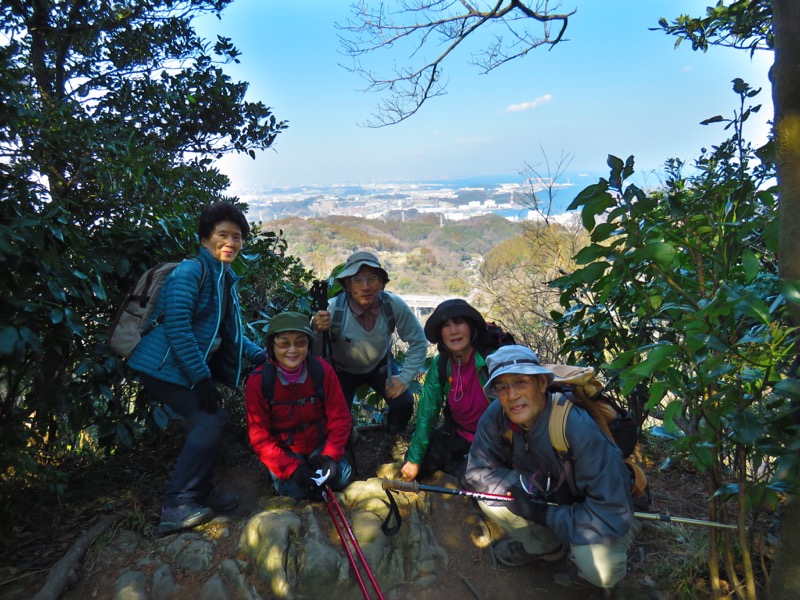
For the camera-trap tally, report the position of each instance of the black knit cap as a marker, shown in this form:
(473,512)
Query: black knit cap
(452,309)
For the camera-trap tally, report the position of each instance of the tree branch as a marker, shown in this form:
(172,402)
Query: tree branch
(426,25)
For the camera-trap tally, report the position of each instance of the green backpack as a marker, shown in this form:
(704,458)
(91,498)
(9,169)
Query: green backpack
(334,285)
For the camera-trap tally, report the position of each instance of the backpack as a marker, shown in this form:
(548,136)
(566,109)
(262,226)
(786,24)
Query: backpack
(338,307)
(269,374)
(269,377)
(580,386)
(334,285)
(494,337)
(134,319)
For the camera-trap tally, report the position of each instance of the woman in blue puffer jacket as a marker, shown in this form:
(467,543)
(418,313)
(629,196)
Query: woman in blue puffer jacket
(199,342)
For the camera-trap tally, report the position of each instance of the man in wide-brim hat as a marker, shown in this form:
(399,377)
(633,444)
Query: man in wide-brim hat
(512,455)
(361,322)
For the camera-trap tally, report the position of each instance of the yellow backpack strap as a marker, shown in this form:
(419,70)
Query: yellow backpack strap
(639,487)
(508,435)
(557,425)
(601,412)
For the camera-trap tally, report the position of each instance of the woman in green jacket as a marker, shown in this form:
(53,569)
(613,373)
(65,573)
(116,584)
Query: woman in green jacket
(455,327)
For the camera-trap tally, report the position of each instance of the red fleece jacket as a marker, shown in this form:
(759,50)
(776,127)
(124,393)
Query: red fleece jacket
(297,421)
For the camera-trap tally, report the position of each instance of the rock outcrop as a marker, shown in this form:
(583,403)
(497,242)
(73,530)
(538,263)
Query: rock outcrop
(286,549)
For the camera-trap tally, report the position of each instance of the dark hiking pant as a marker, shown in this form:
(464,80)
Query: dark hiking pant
(447,452)
(400,409)
(192,476)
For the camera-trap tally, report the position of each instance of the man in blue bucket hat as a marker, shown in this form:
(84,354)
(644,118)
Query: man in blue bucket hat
(512,455)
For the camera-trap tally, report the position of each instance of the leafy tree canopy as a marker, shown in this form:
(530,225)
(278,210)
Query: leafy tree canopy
(744,24)
(679,297)
(111,117)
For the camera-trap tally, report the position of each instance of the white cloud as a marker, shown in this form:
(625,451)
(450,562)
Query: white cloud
(530,105)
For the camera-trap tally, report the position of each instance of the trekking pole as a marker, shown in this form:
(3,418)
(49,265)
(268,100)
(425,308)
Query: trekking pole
(332,504)
(415,487)
(319,296)
(347,550)
(664,518)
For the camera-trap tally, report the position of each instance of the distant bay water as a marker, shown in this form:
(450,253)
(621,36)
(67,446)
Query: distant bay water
(511,195)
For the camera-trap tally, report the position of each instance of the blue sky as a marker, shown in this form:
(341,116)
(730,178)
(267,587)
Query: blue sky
(614,88)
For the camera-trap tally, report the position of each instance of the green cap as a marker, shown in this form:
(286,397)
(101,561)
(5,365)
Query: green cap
(289,321)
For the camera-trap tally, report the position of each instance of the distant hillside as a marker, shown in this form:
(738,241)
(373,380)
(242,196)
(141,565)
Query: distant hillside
(422,255)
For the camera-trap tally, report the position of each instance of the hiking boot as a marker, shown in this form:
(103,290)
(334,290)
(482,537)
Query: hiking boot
(513,554)
(219,500)
(185,516)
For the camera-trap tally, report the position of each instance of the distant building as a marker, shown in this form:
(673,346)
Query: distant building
(376,200)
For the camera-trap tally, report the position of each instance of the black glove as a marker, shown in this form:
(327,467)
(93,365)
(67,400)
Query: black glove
(208,396)
(561,495)
(260,359)
(302,476)
(527,506)
(324,464)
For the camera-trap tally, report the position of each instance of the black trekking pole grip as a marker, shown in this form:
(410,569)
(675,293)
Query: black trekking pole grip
(416,488)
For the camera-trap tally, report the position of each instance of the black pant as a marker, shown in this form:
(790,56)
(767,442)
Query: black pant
(447,452)
(400,409)
(191,478)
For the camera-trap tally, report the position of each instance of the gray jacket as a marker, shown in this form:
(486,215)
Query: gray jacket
(358,352)
(605,511)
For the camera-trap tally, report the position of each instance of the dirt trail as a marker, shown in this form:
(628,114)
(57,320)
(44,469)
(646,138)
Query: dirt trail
(456,521)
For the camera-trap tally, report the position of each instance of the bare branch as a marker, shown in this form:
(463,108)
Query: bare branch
(429,31)
(546,180)
(513,280)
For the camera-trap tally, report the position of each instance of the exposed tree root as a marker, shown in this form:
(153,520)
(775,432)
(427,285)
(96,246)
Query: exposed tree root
(64,571)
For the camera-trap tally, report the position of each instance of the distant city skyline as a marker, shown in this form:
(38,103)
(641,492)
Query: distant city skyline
(452,201)
(614,88)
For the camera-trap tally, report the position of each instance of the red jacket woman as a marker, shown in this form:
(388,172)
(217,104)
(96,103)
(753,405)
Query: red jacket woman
(302,423)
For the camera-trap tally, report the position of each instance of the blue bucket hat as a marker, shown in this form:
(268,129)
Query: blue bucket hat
(513,359)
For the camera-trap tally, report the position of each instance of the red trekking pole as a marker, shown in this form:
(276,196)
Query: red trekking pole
(337,514)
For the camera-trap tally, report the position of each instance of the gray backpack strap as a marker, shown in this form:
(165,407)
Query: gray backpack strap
(387,310)
(337,307)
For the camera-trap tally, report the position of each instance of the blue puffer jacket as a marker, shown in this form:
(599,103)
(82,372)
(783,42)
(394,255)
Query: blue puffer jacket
(176,351)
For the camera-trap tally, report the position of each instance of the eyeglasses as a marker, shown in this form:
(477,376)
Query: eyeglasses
(235,238)
(501,389)
(362,279)
(286,344)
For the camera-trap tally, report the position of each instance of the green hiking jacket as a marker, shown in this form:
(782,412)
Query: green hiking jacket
(431,403)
